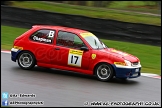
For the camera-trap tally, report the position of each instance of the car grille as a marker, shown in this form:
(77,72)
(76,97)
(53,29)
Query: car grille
(135,63)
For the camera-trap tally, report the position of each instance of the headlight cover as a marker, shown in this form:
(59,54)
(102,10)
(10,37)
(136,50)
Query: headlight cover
(128,63)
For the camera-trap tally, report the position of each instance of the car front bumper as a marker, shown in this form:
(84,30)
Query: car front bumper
(127,72)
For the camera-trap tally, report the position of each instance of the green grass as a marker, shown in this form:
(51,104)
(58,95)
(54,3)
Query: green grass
(141,6)
(150,56)
(90,12)
(8,35)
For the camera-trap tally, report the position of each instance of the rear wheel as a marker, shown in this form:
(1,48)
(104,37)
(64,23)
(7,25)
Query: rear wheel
(26,60)
(104,72)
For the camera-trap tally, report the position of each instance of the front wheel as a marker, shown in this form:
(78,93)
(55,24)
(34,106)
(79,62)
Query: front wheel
(104,72)
(26,60)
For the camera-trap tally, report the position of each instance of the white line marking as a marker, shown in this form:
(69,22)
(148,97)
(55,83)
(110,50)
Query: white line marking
(142,74)
(151,75)
(9,52)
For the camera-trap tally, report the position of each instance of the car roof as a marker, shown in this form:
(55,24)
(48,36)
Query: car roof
(63,28)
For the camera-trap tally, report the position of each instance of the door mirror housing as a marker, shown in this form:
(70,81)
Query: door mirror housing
(84,48)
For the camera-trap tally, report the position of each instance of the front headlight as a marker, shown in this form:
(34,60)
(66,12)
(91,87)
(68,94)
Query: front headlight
(128,63)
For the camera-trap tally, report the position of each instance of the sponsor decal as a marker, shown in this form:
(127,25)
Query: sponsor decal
(93,56)
(86,34)
(42,39)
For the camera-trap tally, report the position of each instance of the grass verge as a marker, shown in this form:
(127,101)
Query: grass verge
(150,56)
(94,12)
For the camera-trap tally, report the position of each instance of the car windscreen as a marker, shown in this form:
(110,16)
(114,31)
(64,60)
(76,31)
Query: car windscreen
(94,42)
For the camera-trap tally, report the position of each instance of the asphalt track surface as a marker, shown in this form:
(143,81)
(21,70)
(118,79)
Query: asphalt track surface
(65,89)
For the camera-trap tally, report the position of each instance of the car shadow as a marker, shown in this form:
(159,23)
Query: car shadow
(73,74)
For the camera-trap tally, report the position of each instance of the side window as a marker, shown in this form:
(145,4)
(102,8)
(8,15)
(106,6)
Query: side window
(78,43)
(70,40)
(43,36)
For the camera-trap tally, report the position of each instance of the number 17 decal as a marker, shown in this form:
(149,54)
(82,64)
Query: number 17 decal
(75,57)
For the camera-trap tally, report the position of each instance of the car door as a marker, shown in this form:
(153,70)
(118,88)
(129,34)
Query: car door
(41,44)
(68,53)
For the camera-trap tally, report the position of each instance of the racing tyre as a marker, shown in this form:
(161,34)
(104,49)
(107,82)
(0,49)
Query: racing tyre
(26,60)
(104,72)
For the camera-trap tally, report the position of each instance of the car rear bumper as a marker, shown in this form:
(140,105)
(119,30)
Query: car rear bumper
(121,72)
(14,53)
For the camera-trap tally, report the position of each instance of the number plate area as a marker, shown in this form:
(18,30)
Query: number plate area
(135,74)
(137,70)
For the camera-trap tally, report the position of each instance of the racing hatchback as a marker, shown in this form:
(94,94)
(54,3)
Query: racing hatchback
(73,50)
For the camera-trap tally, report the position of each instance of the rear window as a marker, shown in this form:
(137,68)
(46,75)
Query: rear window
(43,36)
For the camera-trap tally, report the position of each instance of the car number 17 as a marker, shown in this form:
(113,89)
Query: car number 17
(75,57)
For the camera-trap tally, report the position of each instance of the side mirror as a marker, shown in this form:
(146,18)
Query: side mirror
(84,48)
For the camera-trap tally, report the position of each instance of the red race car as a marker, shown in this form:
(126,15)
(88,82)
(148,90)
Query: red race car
(74,50)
